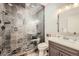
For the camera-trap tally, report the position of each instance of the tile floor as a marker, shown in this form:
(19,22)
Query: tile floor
(36,53)
(33,54)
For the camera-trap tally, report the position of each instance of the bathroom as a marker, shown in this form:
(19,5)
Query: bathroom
(39,29)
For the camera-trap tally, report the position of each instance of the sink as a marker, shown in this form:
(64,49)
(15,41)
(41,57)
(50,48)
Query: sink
(71,40)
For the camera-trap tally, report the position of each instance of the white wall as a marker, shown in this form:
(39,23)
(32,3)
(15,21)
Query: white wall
(50,19)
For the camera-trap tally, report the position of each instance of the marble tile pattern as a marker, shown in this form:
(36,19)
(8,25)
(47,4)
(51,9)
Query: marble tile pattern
(14,36)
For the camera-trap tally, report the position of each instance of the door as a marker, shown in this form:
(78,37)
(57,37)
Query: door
(53,52)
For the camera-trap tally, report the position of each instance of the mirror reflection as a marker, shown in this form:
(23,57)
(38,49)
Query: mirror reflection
(69,19)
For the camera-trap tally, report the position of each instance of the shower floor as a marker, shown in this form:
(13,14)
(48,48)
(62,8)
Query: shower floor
(25,53)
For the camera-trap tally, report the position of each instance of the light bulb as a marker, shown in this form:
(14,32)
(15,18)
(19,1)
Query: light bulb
(67,7)
(59,11)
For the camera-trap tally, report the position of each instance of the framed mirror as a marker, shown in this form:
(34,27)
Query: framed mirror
(68,21)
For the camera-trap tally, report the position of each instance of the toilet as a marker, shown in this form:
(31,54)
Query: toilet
(42,47)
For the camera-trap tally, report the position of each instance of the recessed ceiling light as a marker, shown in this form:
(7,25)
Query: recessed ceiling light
(33,6)
(10,4)
(27,4)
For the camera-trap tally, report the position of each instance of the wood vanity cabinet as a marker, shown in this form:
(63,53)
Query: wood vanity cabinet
(56,49)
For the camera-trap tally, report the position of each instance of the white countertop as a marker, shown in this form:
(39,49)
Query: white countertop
(71,44)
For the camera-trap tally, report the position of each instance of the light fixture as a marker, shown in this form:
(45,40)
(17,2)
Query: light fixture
(33,6)
(75,4)
(59,11)
(28,4)
(10,4)
(67,7)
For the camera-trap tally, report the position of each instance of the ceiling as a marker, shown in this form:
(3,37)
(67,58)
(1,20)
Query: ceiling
(33,7)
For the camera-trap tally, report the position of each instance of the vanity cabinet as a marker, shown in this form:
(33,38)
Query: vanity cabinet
(56,49)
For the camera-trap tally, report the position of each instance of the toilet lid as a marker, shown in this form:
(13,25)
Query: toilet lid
(41,45)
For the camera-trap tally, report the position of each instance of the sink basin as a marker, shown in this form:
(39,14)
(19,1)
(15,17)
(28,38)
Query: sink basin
(72,41)
(65,40)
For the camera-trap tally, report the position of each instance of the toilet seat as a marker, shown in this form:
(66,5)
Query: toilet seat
(42,46)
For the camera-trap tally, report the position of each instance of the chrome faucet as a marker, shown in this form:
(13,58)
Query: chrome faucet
(66,38)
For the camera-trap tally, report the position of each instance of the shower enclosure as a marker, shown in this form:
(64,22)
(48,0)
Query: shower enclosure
(20,23)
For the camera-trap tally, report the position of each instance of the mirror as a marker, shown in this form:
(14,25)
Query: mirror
(69,21)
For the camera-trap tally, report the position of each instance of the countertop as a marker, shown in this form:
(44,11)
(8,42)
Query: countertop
(68,43)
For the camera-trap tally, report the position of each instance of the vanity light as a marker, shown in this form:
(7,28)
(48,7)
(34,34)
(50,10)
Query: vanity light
(59,11)
(67,7)
(75,4)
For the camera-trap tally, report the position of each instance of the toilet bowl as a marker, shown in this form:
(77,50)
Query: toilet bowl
(42,47)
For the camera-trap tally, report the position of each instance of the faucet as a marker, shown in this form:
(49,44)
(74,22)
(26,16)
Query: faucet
(75,38)
(66,38)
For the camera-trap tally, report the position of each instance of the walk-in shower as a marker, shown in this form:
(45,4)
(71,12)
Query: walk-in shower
(20,24)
